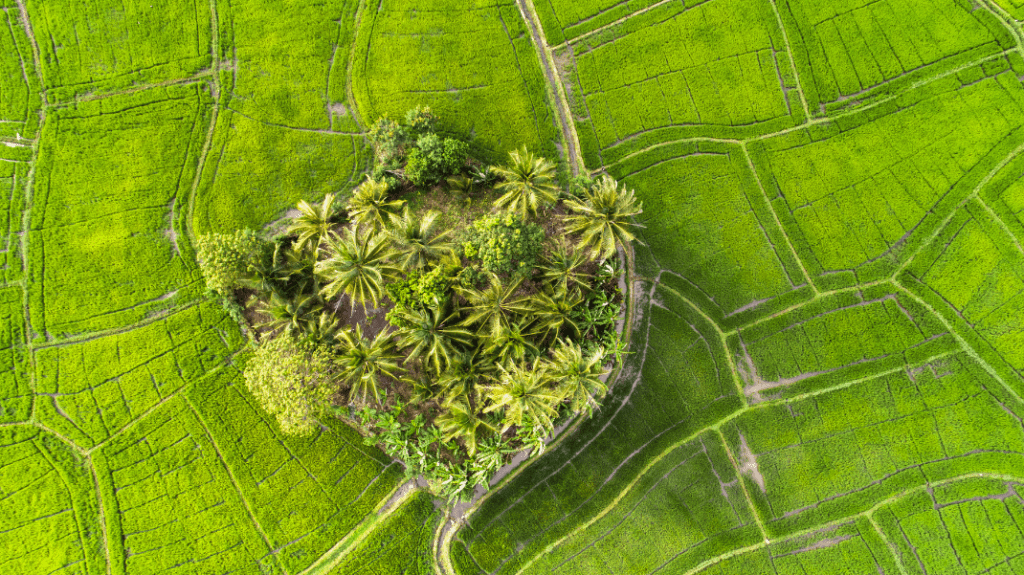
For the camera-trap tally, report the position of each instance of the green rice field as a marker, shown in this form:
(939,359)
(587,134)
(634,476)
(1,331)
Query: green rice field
(826,317)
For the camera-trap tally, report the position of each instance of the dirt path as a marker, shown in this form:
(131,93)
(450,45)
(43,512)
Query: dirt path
(556,89)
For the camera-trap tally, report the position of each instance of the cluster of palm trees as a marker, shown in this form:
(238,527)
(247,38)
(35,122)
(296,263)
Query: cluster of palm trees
(505,354)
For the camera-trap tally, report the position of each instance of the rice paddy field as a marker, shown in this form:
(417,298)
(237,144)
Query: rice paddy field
(826,368)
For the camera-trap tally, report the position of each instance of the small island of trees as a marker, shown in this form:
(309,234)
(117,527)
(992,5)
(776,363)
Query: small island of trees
(455,311)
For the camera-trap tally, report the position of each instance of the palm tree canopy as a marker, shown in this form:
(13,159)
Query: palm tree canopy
(460,421)
(369,204)
(464,372)
(553,313)
(602,217)
(430,335)
(509,343)
(523,391)
(562,267)
(529,183)
(357,266)
(416,240)
(493,307)
(324,329)
(290,315)
(577,376)
(313,223)
(364,362)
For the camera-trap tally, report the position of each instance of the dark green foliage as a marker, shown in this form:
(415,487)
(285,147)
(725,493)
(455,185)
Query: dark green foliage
(434,159)
(505,244)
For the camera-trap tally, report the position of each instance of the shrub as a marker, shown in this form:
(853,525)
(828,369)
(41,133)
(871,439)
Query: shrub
(420,120)
(387,137)
(431,289)
(292,381)
(226,259)
(434,159)
(505,243)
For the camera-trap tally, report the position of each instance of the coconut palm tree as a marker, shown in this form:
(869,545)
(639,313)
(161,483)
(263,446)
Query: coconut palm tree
(290,315)
(357,266)
(523,391)
(416,241)
(602,217)
(577,376)
(313,223)
(465,371)
(364,362)
(431,333)
(493,307)
(323,329)
(484,176)
(552,314)
(561,268)
(509,343)
(529,183)
(369,204)
(460,421)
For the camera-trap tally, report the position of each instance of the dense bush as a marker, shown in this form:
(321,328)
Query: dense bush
(505,243)
(421,290)
(293,381)
(387,137)
(226,259)
(434,159)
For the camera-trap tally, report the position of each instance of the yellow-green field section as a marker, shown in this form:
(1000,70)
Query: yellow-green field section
(826,365)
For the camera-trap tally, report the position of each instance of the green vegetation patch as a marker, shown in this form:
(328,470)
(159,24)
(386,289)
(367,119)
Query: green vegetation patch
(256,172)
(856,192)
(707,193)
(963,527)
(834,455)
(852,548)
(845,49)
(50,510)
(89,391)
(173,506)
(288,62)
(101,46)
(473,65)
(112,187)
(401,545)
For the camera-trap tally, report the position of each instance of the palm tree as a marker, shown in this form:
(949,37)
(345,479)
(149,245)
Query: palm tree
(493,306)
(553,313)
(523,391)
(313,223)
(363,362)
(602,217)
(484,176)
(290,315)
(509,343)
(357,266)
(465,371)
(577,376)
(562,268)
(416,240)
(369,204)
(529,183)
(324,329)
(460,421)
(460,184)
(429,333)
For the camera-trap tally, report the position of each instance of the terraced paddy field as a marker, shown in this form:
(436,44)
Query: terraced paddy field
(827,319)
